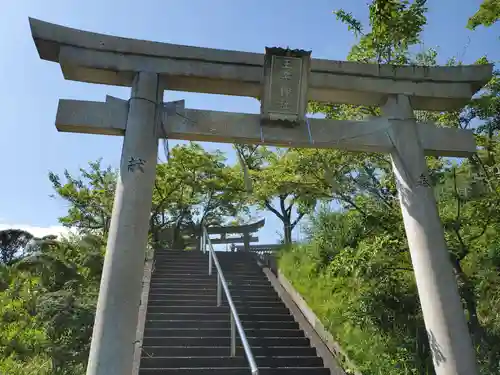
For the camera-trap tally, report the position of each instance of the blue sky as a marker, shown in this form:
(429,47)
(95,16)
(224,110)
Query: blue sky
(30,146)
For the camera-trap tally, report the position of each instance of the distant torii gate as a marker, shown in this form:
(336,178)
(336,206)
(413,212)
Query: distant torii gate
(246,231)
(150,67)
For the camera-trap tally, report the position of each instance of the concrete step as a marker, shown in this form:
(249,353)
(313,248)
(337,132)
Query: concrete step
(232,284)
(250,310)
(236,371)
(204,260)
(236,256)
(214,332)
(202,278)
(243,291)
(250,298)
(219,316)
(183,257)
(211,299)
(229,274)
(181,276)
(186,274)
(239,303)
(227,361)
(183,280)
(209,295)
(235,287)
(156,289)
(227,265)
(218,324)
(202,351)
(222,261)
(195,280)
(204,271)
(197,265)
(181,261)
(224,341)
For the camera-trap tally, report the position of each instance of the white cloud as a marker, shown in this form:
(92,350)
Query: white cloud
(35,230)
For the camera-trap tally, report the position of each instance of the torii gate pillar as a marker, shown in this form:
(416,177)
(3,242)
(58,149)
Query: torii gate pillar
(445,322)
(112,348)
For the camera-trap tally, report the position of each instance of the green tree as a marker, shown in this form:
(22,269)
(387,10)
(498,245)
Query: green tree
(395,25)
(90,197)
(487,15)
(196,187)
(48,305)
(279,187)
(13,243)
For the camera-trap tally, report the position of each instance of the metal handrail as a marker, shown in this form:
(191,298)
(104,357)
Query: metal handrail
(235,320)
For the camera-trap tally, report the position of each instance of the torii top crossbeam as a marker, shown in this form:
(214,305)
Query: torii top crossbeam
(237,229)
(97,58)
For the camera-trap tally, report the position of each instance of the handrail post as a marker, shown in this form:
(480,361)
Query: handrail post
(233,336)
(210,255)
(204,240)
(219,290)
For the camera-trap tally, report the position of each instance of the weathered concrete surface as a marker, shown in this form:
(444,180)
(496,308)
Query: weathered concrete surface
(98,58)
(114,334)
(196,125)
(442,308)
(80,116)
(141,321)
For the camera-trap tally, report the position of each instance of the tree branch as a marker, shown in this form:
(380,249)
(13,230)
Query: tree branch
(456,225)
(283,208)
(301,215)
(273,210)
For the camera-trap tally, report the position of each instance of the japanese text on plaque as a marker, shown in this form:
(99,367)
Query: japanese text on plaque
(285,84)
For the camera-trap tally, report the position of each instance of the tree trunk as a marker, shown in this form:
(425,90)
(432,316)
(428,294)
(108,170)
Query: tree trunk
(287,232)
(423,352)
(154,230)
(467,294)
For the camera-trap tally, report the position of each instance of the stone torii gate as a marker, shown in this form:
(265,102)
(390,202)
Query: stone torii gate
(245,231)
(150,67)
(195,235)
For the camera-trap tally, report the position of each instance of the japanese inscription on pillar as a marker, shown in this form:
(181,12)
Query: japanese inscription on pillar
(136,164)
(284,96)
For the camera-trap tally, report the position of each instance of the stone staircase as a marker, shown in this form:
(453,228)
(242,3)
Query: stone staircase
(187,334)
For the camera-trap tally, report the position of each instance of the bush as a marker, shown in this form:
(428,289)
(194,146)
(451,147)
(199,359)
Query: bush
(363,294)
